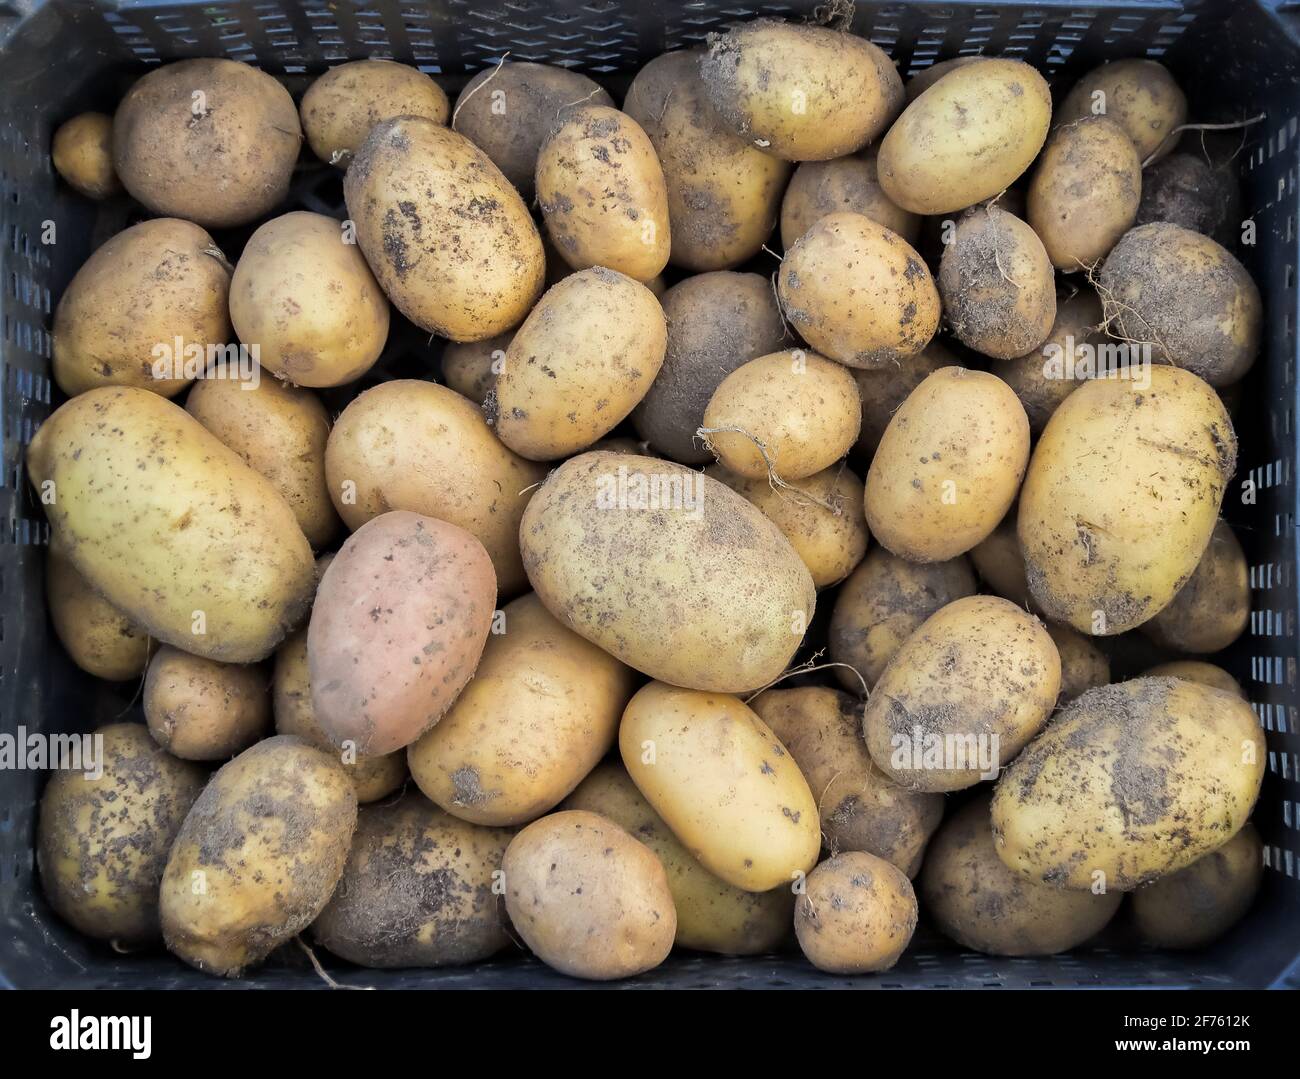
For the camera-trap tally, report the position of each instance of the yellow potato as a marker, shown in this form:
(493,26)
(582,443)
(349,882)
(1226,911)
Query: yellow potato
(927,77)
(199,710)
(82,152)
(857,915)
(100,639)
(844,185)
(471,368)
(1206,674)
(1084,666)
(883,389)
(1140,95)
(1000,563)
(1212,609)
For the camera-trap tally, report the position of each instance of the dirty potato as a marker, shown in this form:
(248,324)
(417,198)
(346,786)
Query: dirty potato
(1213,608)
(857,914)
(100,639)
(843,185)
(1139,95)
(199,710)
(82,152)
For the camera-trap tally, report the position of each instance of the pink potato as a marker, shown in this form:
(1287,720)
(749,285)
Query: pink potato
(400,620)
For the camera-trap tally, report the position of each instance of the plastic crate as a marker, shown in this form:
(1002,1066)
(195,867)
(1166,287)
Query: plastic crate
(1236,58)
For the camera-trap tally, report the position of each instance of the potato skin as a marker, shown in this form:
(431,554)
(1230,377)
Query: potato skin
(145,287)
(471,368)
(220,161)
(100,639)
(1206,674)
(1084,666)
(1106,548)
(101,843)
(258,856)
(924,79)
(448,238)
(417,890)
(1213,608)
(200,710)
(82,152)
(1140,95)
(1000,564)
(857,914)
(1187,191)
(723,783)
(843,185)
(145,495)
(884,389)
(401,617)
(1133,781)
(541,711)
(948,466)
(966,138)
(587,898)
(731,562)
(581,362)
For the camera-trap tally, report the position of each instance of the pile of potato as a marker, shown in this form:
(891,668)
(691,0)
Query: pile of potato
(507,611)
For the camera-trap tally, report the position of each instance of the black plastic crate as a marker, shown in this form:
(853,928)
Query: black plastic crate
(1236,59)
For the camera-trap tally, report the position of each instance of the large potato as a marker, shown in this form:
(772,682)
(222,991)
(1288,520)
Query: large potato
(170,526)
(844,185)
(724,784)
(102,840)
(100,639)
(200,710)
(857,914)
(258,856)
(1129,783)
(450,241)
(883,389)
(1108,544)
(581,361)
(145,310)
(82,153)
(1139,95)
(1213,608)
(667,570)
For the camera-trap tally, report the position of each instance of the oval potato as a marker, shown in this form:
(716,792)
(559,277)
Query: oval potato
(1140,95)
(857,914)
(1206,674)
(200,710)
(1213,608)
(101,640)
(844,185)
(82,152)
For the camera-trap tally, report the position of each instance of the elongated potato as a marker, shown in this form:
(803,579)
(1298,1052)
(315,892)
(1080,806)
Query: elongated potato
(844,185)
(1213,608)
(884,389)
(100,639)
(82,153)
(170,526)
(199,710)
(1140,95)
(857,914)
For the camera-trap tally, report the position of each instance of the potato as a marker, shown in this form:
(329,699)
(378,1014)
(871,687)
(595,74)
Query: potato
(145,310)
(1085,191)
(858,292)
(716,322)
(602,193)
(587,898)
(962,695)
(258,856)
(723,193)
(1185,299)
(792,413)
(723,783)
(927,77)
(412,445)
(1140,95)
(1107,544)
(303,295)
(1129,783)
(418,890)
(884,600)
(1187,191)
(280,431)
(844,185)
(712,915)
(883,389)
(1212,609)
(981,904)
(200,710)
(541,711)
(100,639)
(801,92)
(471,368)
(857,915)
(578,365)
(997,284)
(860,807)
(212,141)
(170,526)
(449,240)
(948,466)
(400,620)
(1084,666)
(1206,674)
(1000,563)
(82,153)
(342,105)
(1195,906)
(968,140)
(102,840)
(509,119)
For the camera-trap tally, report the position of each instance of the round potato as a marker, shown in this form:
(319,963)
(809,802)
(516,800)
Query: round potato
(587,898)
(1206,674)
(1213,608)
(100,639)
(102,835)
(927,77)
(883,389)
(1084,666)
(1000,563)
(844,185)
(1193,194)
(200,710)
(82,152)
(471,368)
(857,914)
(1140,95)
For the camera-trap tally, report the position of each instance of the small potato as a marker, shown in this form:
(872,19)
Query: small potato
(602,193)
(578,365)
(724,784)
(883,389)
(882,603)
(308,302)
(471,369)
(1000,563)
(1184,190)
(1213,608)
(716,322)
(1084,666)
(1205,674)
(200,710)
(997,284)
(82,152)
(1197,905)
(1130,782)
(1140,95)
(267,839)
(924,79)
(212,141)
(342,105)
(948,466)
(860,807)
(417,890)
(587,898)
(844,185)
(846,90)
(102,840)
(99,637)
(793,413)
(140,308)
(962,695)
(858,292)
(857,914)
(981,904)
